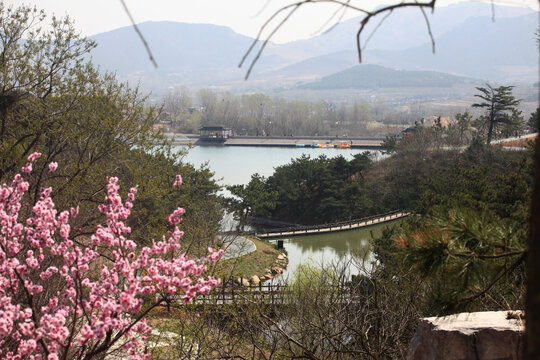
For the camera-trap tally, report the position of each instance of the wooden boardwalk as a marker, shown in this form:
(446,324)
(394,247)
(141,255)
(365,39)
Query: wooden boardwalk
(339,226)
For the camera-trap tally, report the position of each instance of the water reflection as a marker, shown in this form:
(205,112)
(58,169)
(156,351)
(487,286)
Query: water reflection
(327,249)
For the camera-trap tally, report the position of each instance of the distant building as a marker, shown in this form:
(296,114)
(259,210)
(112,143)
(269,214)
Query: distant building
(165,118)
(409,130)
(215,133)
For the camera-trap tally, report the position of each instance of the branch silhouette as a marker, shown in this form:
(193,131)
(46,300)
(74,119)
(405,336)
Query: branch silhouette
(288,10)
(139,33)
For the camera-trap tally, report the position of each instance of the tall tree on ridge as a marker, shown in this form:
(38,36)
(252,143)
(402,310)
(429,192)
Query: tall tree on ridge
(497,102)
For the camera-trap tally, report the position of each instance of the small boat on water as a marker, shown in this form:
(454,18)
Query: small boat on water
(343,145)
(327,145)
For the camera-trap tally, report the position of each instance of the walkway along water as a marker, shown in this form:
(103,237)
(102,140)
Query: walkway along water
(236,247)
(279,141)
(338,226)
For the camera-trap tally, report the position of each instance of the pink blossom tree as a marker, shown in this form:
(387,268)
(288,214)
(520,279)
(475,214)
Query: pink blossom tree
(66,299)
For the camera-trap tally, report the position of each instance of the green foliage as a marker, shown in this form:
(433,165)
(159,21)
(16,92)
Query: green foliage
(498,102)
(390,144)
(466,253)
(154,173)
(422,176)
(532,123)
(56,102)
(469,259)
(252,199)
(469,243)
(308,191)
(310,275)
(319,190)
(385,249)
(484,179)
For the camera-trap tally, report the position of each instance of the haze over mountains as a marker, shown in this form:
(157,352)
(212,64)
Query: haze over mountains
(468,44)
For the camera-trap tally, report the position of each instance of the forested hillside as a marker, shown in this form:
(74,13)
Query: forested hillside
(374,76)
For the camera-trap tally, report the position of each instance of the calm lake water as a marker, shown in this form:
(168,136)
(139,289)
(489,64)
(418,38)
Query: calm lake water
(235,165)
(334,248)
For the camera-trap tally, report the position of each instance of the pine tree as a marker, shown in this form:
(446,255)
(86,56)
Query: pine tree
(497,102)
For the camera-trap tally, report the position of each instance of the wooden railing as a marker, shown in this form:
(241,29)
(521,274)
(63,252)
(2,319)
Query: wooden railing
(269,294)
(330,227)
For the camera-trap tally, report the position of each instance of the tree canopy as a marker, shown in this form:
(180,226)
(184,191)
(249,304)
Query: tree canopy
(500,108)
(53,100)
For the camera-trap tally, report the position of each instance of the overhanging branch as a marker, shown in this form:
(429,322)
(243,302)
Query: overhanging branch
(290,9)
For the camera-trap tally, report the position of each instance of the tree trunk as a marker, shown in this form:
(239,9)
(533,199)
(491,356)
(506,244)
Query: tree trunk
(490,130)
(532,313)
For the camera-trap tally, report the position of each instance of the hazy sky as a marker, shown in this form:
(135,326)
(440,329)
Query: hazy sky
(243,16)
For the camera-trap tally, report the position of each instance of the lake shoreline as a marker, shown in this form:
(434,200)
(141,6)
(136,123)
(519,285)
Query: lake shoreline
(277,141)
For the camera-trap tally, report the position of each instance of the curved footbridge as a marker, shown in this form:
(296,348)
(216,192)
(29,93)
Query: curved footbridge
(339,226)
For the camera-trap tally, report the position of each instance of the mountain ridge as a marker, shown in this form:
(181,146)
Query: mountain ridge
(207,55)
(369,76)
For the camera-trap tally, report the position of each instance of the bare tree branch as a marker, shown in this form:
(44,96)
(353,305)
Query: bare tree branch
(261,49)
(385,9)
(429,30)
(376,28)
(330,19)
(290,9)
(262,9)
(140,34)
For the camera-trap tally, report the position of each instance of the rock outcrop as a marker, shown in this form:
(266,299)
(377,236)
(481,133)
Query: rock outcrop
(255,280)
(488,335)
(243,281)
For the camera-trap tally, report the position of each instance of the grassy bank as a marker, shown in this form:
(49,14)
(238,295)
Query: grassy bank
(254,263)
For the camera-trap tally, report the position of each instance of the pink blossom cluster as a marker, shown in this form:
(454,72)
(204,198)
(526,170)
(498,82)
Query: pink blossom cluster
(177,181)
(95,305)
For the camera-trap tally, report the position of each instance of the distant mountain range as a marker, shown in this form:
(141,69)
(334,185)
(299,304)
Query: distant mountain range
(405,28)
(503,50)
(184,52)
(468,44)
